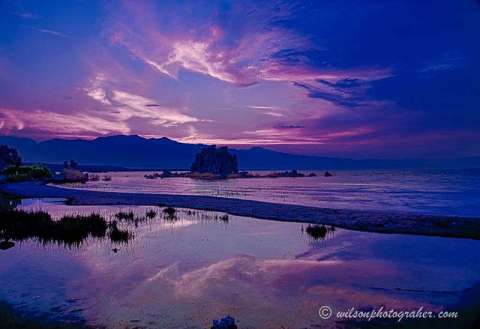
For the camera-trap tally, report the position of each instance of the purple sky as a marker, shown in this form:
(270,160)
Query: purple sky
(363,79)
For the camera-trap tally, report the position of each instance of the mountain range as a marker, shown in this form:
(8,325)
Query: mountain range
(135,152)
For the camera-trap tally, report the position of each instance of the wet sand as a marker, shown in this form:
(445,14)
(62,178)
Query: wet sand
(360,220)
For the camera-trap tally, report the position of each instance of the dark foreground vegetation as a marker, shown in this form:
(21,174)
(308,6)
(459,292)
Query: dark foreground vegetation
(130,217)
(354,219)
(73,230)
(318,232)
(117,235)
(170,213)
(19,225)
(13,170)
(26,173)
(9,157)
(127,216)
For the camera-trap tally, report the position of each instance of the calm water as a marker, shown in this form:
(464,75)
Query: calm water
(435,191)
(266,274)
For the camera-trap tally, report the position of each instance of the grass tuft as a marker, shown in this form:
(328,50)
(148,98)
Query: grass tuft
(19,225)
(117,235)
(169,213)
(126,216)
(224,218)
(150,214)
(318,232)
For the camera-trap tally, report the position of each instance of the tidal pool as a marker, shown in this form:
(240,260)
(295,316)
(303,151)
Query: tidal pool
(184,273)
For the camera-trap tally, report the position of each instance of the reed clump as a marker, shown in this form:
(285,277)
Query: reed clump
(170,213)
(125,215)
(117,235)
(70,230)
(318,232)
(150,214)
(224,218)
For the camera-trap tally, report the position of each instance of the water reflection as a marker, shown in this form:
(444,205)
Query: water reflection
(72,230)
(186,272)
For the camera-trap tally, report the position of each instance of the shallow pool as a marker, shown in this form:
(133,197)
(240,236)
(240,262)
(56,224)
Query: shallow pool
(184,273)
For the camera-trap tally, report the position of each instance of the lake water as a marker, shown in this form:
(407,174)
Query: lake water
(449,192)
(266,274)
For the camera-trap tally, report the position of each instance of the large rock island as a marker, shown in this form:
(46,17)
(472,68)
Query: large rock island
(215,162)
(218,163)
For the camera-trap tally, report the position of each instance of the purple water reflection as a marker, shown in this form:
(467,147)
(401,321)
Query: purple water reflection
(266,274)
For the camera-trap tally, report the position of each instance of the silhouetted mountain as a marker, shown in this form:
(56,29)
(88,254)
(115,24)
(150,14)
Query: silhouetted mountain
(163,153)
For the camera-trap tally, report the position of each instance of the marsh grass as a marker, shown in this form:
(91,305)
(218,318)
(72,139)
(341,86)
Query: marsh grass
(126,216)
(70,230)
(73,230)
(170,213)
(319,232)
(150,214)
(117,235)
(223,218)
(204,215)
(130,217)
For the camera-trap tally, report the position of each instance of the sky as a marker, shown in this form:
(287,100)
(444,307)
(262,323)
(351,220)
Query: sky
(372,78)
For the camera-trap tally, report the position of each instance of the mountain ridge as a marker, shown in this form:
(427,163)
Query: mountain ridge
(136,152)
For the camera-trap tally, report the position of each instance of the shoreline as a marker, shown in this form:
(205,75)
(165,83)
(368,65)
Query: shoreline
(393,222)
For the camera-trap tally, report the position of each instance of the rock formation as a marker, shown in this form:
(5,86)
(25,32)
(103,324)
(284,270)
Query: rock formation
(71,172)
(215,161)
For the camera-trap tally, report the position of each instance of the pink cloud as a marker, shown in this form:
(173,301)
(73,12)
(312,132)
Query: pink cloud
(58,124)
(209,50)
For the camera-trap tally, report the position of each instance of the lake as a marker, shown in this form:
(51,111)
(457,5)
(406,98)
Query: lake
(444,192)
(184,273)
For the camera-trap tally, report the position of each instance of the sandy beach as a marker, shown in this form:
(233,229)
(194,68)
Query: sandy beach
(360,220)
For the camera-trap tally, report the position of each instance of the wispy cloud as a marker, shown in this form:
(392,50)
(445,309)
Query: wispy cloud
(51,32)
(58,124)
(123,105)
(240,72)
(26,15)
(262,107)
(127,106)
(259,54)
(273,111)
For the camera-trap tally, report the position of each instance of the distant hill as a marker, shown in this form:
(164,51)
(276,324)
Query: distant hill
(136,152)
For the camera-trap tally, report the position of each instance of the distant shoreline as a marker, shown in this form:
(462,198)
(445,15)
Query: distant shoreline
(359,220)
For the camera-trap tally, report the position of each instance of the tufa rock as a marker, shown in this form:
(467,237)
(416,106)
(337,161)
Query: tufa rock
(215,161)
(71,172)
